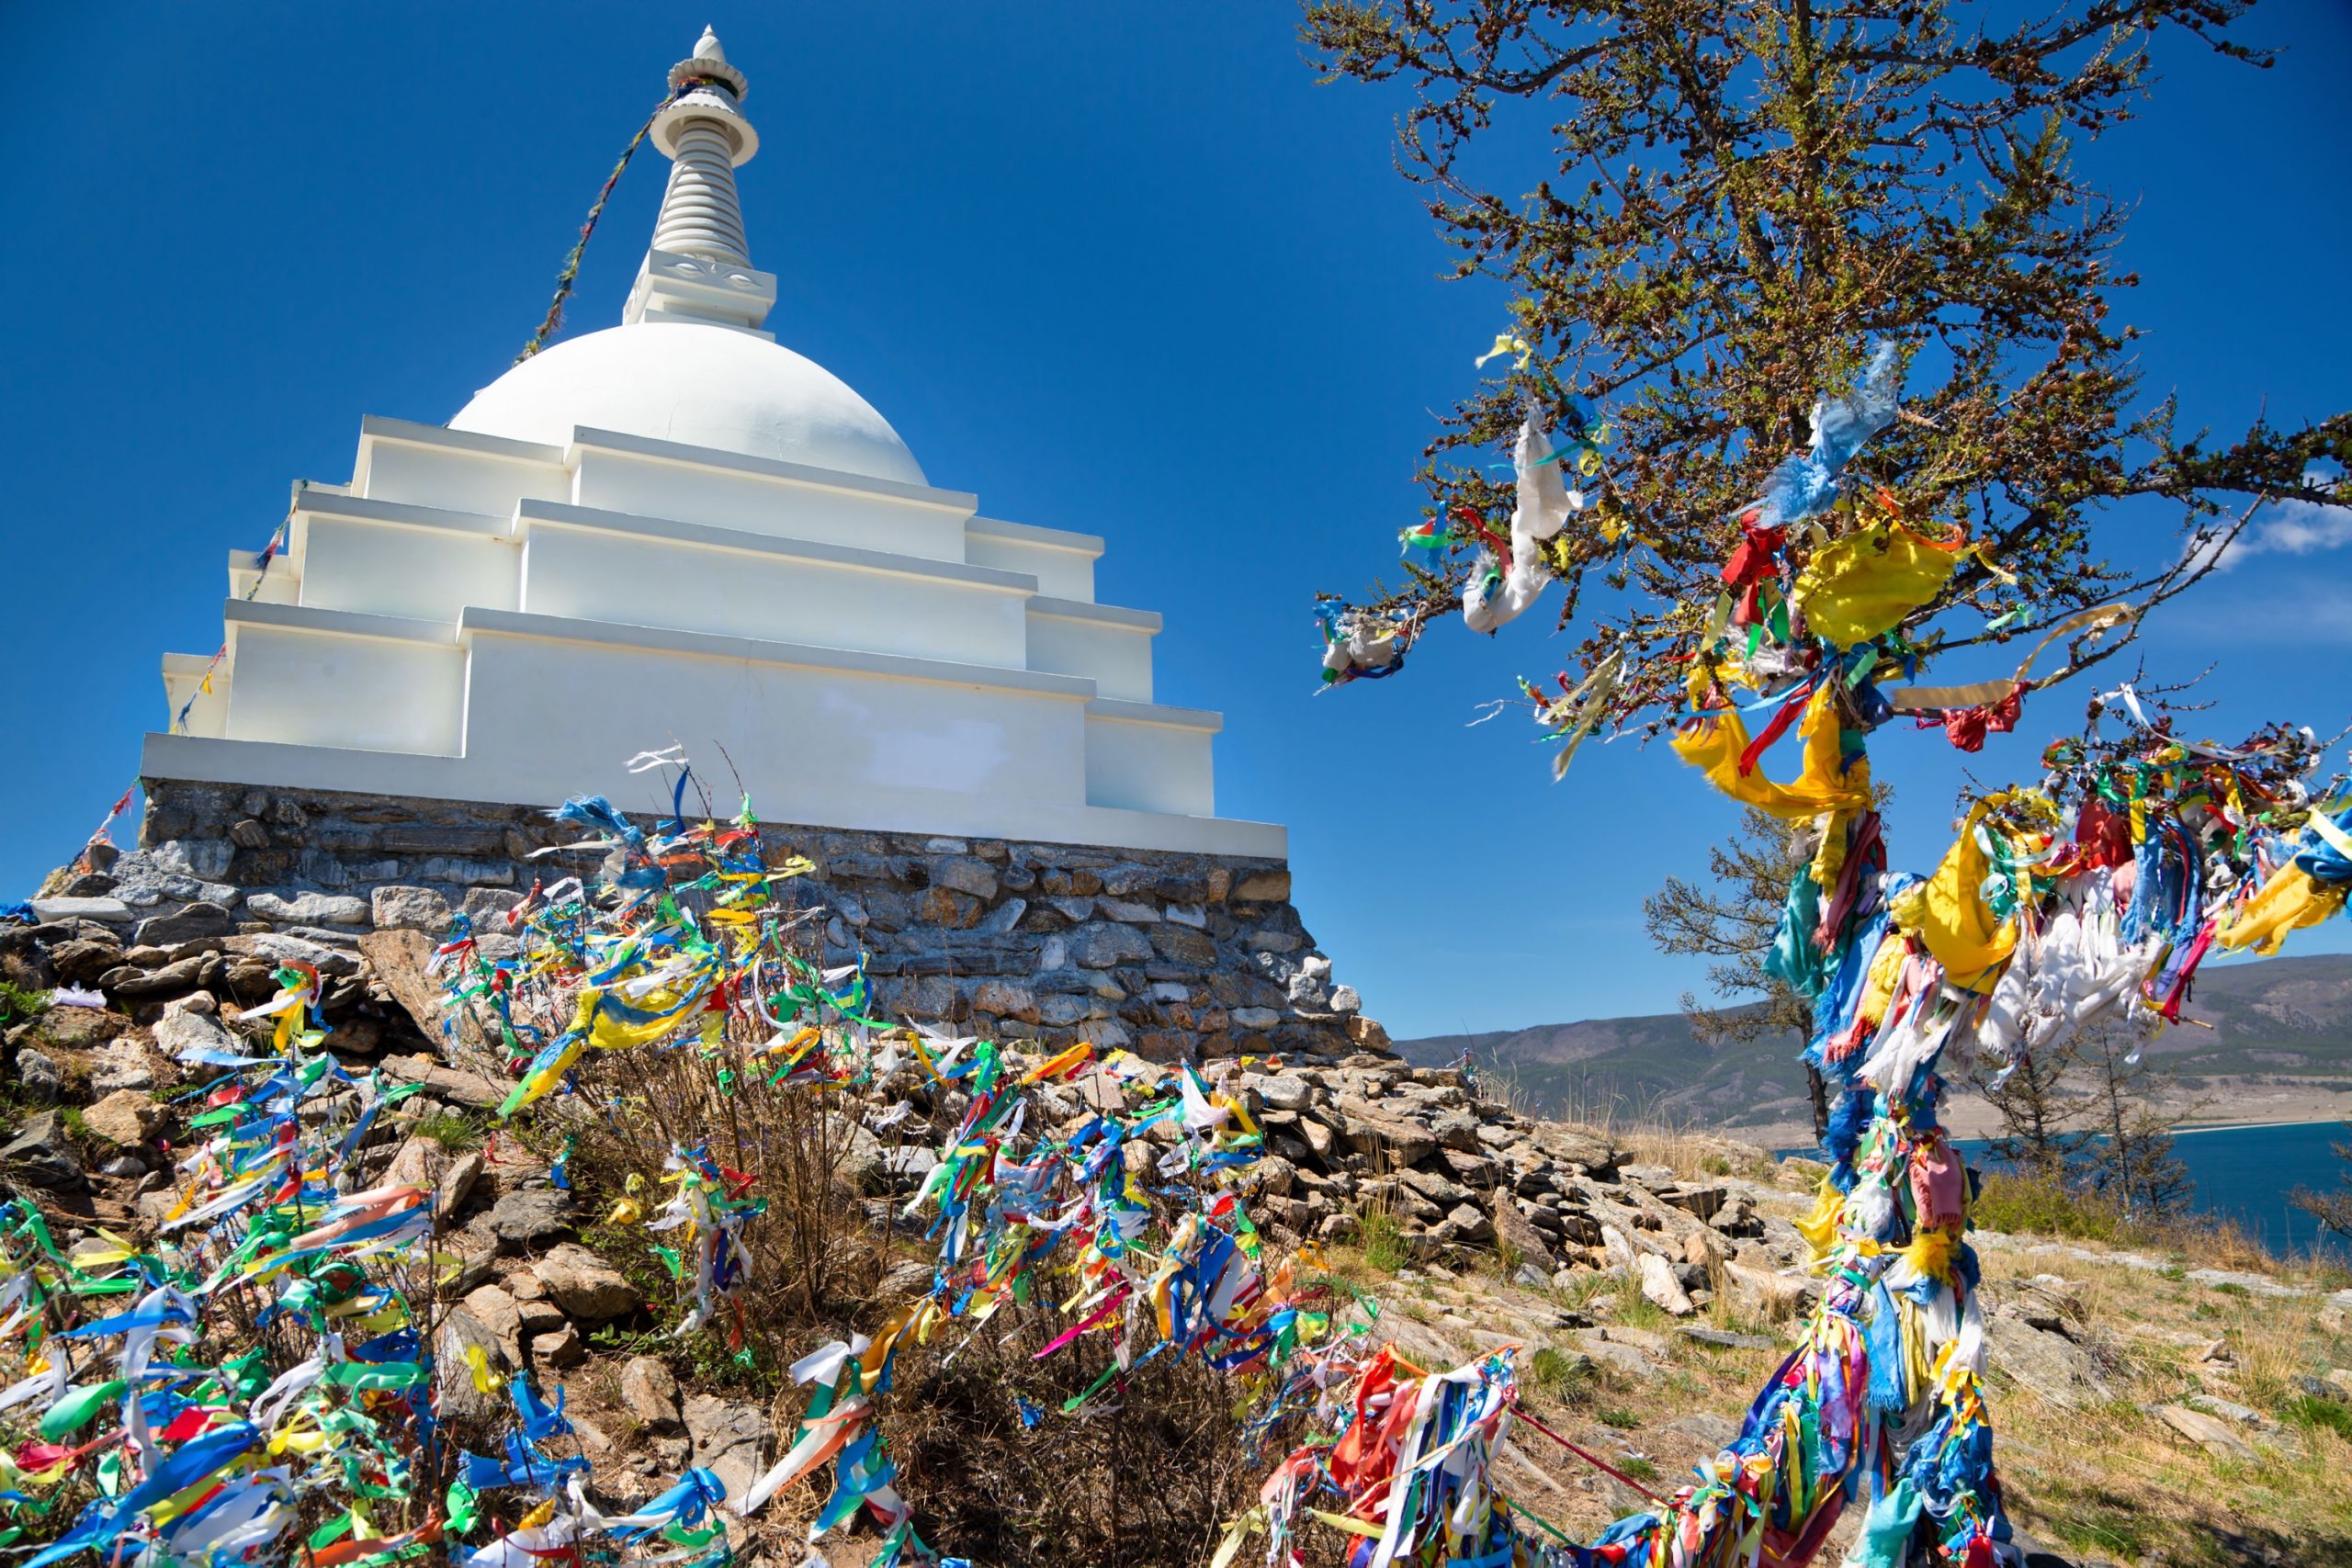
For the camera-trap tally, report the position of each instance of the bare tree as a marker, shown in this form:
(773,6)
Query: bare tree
(1732,919)
(2131,1160)
(2331,1210)
(2041,1109)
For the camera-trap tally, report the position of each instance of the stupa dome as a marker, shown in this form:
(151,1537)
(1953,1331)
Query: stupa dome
(689,362)
(698,385)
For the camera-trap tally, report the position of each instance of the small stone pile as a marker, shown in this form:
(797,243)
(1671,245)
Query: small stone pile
(1455,1172)
(1359,1145)
(111,1068)
(1170,957)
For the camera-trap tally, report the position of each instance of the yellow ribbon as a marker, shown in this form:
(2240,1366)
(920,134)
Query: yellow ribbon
(1865,583)
(485,1380)
(1714,745)
(1510,344)
(1926,699)
(1948,912)
(1353,1526)
(1819,1228)
(2289,901)
(2323,823)
(1243,1525)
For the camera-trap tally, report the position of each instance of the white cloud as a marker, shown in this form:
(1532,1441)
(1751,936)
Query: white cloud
(2300,527)
(2289,528)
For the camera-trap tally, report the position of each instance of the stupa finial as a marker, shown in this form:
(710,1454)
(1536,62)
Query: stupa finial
(708,63)
(699,267)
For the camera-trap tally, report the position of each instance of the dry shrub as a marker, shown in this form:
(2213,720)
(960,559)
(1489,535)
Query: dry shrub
(24,987)
(817,1256)
(1147,1473)
(1144,1476)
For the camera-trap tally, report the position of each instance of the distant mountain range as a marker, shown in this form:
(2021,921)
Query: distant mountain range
(2261,1029)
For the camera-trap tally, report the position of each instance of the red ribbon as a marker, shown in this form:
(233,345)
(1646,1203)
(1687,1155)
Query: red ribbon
(1118,1299)
(1774,730)
(1486,535)
(1592,1458)
(1966,728)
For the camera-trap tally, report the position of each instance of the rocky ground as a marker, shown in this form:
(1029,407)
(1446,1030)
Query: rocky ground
(1449,1170)
(2145,1412)
(2150,1408)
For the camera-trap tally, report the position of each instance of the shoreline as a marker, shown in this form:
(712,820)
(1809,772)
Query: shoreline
(1797,1138)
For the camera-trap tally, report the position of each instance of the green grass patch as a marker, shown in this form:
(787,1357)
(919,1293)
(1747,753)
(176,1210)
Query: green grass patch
(2305,1410)
(2110,1532)
(1614,1415)
(1558,1374)
(452,1130)
(1382,1238)
(18,1003)
(2022,1203)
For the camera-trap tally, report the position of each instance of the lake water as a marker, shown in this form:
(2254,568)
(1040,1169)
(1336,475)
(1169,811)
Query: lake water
(2245,1173)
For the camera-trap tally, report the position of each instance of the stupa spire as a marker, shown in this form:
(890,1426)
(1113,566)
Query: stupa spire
(699,267)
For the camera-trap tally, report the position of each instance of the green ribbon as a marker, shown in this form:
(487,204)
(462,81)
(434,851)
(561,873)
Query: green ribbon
(372,1376)
(76,1411)
(1096,1387)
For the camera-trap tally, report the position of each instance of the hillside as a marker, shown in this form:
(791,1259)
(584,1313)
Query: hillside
(2264,1041)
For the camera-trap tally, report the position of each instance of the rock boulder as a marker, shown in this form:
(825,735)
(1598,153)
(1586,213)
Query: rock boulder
(585,1286)
(127,1118)
(43,1155)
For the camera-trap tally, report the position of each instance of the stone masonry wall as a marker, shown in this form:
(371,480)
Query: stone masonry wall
(1169,955)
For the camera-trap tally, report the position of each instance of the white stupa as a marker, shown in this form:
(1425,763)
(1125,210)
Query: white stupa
(678,530)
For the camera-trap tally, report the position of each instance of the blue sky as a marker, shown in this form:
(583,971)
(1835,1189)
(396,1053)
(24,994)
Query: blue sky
(1127,272)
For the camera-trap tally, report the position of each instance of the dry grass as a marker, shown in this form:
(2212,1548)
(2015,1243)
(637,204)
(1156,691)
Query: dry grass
(1643,1425)
(2107,1483)
(2113,1481)
(1691,1152)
